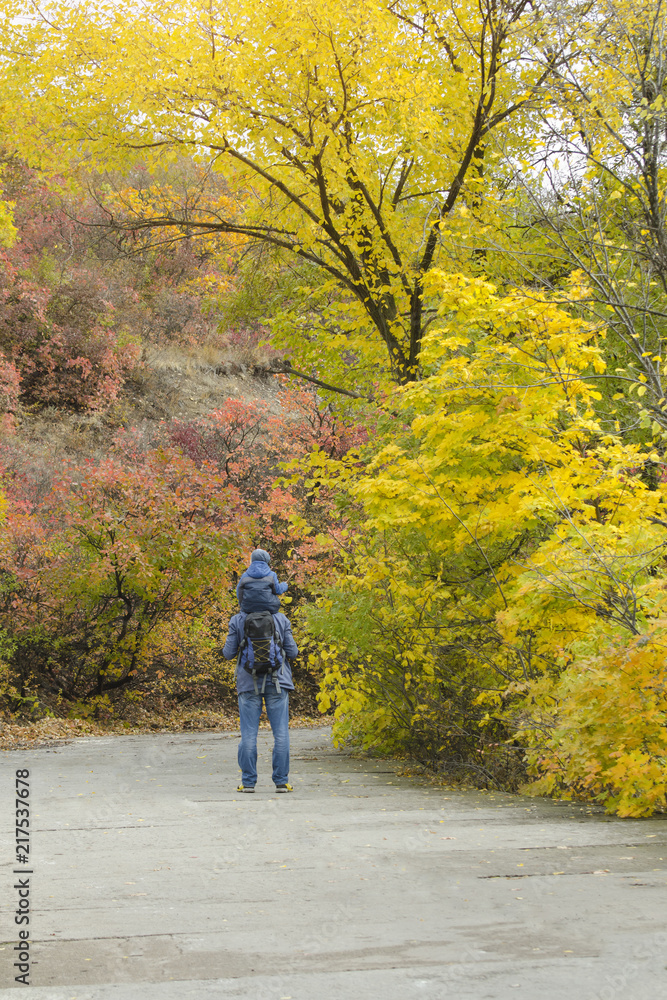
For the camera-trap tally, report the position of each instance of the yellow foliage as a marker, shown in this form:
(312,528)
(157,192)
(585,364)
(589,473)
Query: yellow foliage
(8,230)
(326,119)
(503,534)
(608,720)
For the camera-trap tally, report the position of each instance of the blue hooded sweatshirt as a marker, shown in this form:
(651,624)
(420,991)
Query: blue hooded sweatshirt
(259,589)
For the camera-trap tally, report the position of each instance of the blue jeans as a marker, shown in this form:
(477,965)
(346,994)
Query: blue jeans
(277,710)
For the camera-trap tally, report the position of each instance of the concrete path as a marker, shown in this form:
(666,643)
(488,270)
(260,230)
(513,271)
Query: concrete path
(152,878)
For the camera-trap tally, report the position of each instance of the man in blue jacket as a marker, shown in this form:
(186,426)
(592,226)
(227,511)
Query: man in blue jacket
(250,705)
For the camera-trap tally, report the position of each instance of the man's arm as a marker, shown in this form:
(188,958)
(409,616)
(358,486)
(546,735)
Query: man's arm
(289,646)
(233,640)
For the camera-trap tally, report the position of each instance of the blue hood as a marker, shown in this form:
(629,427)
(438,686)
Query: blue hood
(258,569)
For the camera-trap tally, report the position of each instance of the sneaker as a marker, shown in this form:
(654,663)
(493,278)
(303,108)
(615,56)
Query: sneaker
(284,788)
(246,788)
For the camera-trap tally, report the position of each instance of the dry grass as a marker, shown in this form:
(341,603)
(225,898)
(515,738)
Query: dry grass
(173,382)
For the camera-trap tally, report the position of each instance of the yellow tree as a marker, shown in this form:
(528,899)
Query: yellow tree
(593,191)
(504,539)
(351,131)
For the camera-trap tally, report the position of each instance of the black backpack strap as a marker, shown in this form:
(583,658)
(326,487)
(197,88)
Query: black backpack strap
(245,643)
(244,640)
(279,641)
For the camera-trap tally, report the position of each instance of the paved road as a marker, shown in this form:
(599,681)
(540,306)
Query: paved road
(154,879)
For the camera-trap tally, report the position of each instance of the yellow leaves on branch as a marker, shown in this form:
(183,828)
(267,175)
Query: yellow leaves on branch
(8,230)
(610,729)
(259,78)
(502,427)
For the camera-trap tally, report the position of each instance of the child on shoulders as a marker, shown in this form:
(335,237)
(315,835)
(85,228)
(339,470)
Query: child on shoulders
(259,589)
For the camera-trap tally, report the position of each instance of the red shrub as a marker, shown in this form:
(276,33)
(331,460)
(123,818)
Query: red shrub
(61,343)
(111,571)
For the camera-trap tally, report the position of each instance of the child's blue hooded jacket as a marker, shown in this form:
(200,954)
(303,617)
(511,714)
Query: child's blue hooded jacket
(259,589)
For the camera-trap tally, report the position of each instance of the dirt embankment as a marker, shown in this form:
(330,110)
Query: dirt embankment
(170,383)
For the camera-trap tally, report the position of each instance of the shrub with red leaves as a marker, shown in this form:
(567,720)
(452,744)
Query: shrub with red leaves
(62,343)
(112,573)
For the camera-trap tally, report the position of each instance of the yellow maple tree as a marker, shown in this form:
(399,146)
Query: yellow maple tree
(353,130)
(505,537)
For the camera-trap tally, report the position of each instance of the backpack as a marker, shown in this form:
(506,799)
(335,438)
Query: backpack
(261,652)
